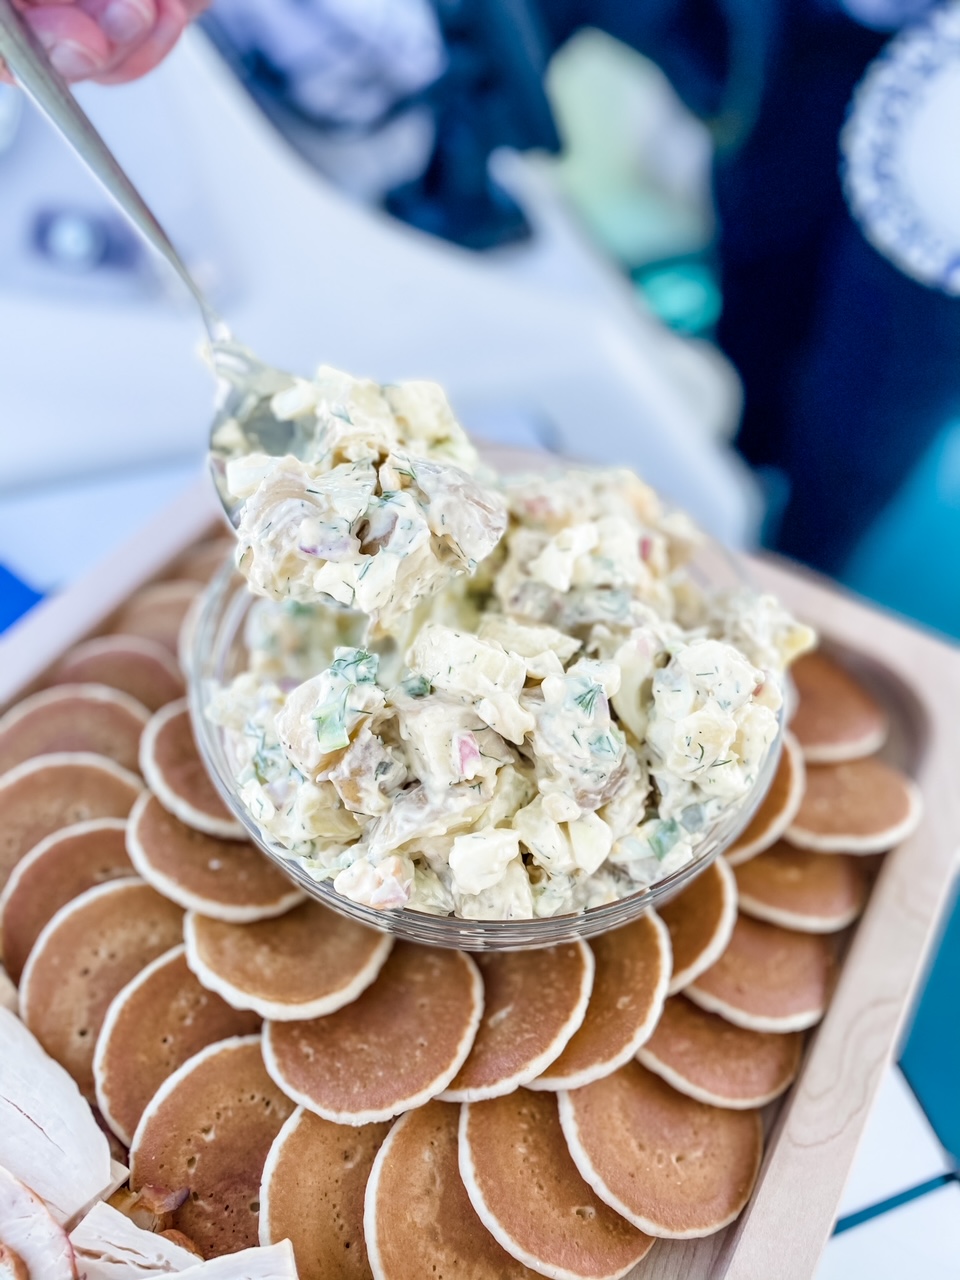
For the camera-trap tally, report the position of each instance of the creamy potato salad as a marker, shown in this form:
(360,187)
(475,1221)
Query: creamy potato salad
(379,507)
(555,714)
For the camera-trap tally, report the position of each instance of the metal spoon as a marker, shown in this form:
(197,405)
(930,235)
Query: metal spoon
(242,422)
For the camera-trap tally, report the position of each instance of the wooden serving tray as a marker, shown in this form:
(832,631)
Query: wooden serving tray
(814,1131)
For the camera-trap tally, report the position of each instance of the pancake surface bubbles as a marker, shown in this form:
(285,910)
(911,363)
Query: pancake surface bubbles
(77,717)
(768,979)
(308,963)
(861,806)
(142,668)
(673,1166)
(90,950)
(47,793)
(700,920)
(162,1017)
(708,1058)
(58,869)
(533,1002)
(207,1132)
(528,1193)
(418,1220)
(629,988)
(225,879)
(800,889)
(312,1194)
(175,773)
(836,718)
(397,1045)
(777,809)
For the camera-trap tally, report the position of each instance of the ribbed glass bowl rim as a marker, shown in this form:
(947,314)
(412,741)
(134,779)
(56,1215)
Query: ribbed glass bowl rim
(218,622)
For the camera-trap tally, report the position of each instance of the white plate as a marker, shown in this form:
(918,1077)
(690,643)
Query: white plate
(901,151)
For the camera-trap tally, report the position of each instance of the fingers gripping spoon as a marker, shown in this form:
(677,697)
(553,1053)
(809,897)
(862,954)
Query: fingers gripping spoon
(244,385)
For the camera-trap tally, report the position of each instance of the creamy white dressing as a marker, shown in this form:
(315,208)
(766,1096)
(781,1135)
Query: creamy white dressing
(550,714)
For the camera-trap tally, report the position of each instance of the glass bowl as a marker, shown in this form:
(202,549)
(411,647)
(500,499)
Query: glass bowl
(215,653)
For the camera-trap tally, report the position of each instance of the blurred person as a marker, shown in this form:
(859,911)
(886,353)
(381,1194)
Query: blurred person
(110,41)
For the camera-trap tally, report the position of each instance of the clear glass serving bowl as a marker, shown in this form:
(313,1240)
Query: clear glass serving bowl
(215,653)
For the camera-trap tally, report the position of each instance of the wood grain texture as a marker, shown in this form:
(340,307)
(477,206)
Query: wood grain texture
(815,1131)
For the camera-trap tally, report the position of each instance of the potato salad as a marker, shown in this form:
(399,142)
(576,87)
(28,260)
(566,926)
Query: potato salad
(489,699)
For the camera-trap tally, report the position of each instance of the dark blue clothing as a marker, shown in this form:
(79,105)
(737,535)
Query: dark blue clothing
(850,368)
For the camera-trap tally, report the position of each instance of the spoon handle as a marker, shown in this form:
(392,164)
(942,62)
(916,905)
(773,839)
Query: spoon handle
(27,61)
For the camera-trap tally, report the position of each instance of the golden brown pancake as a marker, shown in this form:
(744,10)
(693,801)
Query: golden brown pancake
(707,1058)
(312,1194)
(89,950)
(417,1219)
(768,979)
(142,668)
(200,562)
(225,879)
(777,809)
(305,964)
(836,718)
(527,1192)
(396,1046)
(171,765)
(162,1017)
(40,796)
(156,612)
(60,867)
(700,920)
(78,717)
(862,806)
(672,1166)
(533,1002)
(800,889)
(629,988)
(205,1136)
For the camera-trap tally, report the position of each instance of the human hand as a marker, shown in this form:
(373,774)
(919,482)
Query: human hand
(110,41)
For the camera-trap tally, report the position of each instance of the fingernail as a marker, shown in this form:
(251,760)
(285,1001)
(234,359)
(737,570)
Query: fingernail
(72,60)
(124,21)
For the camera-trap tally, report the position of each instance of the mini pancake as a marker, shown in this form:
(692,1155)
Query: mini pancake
(836,719)
(629,988)
(705,1057)
(312,1194)
(417,1219)
(42,795)
(533,1002)
(308,963)
(205,1134)
(162,1017)
(200,562)
(73,717)
(862,806)
(60,867)
(33,1245)
(156,612)
(171,764)
(700,920)
(142,668)
(777,809)
(396,1046)
(800,889)
(225,879)
(672,1166)
(526,1190)
(768,979)
(84,955)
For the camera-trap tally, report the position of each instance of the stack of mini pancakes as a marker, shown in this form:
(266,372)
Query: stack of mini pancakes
(272,1071)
